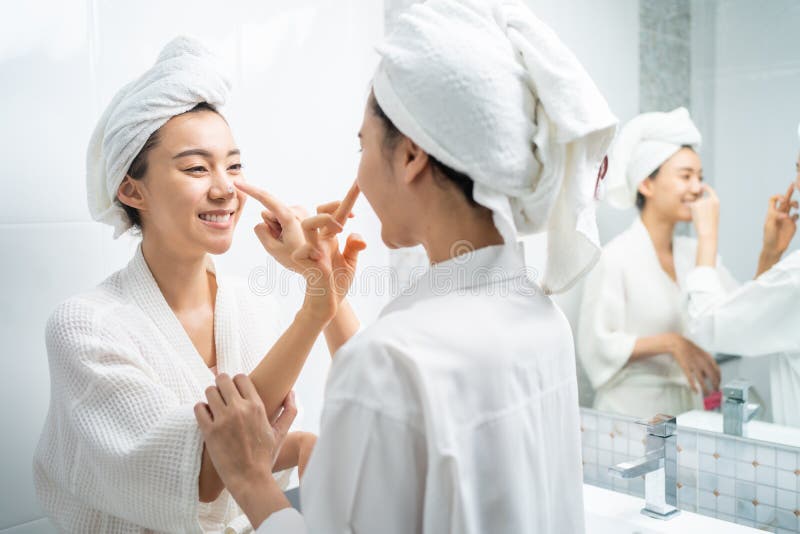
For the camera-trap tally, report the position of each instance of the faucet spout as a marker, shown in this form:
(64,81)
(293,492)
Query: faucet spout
(658,466)
(636,468)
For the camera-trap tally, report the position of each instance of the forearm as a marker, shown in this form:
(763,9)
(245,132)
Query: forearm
(275,376)
(341,328)
(707,251)
(259,497)
(766,260)
(209,483)
(289,453)
(649,346)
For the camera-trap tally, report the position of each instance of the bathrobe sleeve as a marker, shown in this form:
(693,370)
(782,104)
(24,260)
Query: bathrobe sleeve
(128,446)
(366,475)
(604,346)
(760,317)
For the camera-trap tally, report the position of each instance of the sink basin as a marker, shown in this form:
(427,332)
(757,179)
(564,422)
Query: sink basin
(609,512)
(712,422)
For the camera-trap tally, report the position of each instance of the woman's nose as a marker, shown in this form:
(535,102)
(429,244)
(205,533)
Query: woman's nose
(222,186)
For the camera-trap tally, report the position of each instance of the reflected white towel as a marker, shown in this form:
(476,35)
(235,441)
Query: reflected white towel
(642,146)
(488,89)
(184,75)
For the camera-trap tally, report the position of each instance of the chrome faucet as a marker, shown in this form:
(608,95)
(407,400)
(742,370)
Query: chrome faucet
(659,466)
(736,411)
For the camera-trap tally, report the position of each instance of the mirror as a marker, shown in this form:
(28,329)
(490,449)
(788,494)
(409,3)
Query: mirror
(644,323)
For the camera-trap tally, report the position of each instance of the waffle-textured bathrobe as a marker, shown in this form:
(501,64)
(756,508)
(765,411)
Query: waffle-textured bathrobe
(120,450)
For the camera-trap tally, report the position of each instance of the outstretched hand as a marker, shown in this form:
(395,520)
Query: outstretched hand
(781,224)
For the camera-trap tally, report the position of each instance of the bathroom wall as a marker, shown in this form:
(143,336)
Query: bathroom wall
(740,480)
(748,68)
(301,70)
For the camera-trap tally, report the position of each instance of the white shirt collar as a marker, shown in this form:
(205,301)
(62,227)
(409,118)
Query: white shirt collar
(485,266)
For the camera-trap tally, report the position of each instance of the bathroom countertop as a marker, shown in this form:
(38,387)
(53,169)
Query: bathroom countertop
(760,430)
(609,512)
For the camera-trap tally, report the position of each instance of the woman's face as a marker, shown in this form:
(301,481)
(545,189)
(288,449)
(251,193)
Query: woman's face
(678,183)
(380,179)
(187,197)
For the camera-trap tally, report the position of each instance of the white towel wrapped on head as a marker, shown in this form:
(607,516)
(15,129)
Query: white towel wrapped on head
(643,145)
(488,89)
(184,75)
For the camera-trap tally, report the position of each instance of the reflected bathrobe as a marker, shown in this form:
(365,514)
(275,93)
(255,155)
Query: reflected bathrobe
(455,412)
(760,317)
(120,450)
(628,295)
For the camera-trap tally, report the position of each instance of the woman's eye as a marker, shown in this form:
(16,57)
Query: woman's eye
(196,169)
(236,167)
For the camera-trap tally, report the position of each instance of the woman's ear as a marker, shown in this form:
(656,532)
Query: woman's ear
(129,193)
(646,188)
(414,160)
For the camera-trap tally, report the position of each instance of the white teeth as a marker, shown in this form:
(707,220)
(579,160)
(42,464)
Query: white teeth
(215,218)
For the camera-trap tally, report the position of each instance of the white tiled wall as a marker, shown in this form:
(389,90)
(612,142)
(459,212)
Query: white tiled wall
(735,479)
(301,70)
(745,84)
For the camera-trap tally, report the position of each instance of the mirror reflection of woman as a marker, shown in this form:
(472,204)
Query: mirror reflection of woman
(121,450)
(762,317)
(631,334)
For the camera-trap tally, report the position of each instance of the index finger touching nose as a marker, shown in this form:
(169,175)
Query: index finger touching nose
(347,204)
(269,201)
(710,190)
(788,197)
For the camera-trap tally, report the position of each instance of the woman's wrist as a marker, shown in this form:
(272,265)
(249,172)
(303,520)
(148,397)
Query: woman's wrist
(258,496)
(767,259)
(706,251)
(672,341)
(316,313)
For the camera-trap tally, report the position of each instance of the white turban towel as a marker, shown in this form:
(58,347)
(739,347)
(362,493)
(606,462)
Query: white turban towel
(184,75)
(641,147)
(489,90)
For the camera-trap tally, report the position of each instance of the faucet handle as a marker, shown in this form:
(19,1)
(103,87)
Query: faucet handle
(736,390)
(660,425)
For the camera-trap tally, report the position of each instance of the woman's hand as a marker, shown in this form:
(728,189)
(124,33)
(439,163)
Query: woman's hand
(343,263)
(705,214)
(243,444)
(281,233)
(780,225)
(297,245)
(698,365)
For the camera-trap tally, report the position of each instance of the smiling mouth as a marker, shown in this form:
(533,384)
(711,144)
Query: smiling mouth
(221,218)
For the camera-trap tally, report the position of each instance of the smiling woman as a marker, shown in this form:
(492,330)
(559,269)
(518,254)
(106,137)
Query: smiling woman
(120,450)
(631,339)
(180,183)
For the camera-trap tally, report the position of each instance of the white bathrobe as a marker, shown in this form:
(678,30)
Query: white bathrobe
(455,412)
(628,295)
(761,317)
(120,450)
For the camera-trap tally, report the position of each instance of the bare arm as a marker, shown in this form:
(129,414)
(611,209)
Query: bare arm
(341,328)
(780,227)
(698,365)
(273,378)
(649,346)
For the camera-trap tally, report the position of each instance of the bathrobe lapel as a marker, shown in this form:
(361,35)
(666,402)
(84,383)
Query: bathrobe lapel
(155,306)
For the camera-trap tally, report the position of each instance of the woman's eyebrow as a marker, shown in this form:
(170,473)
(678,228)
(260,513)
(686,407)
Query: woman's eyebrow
(203,153)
